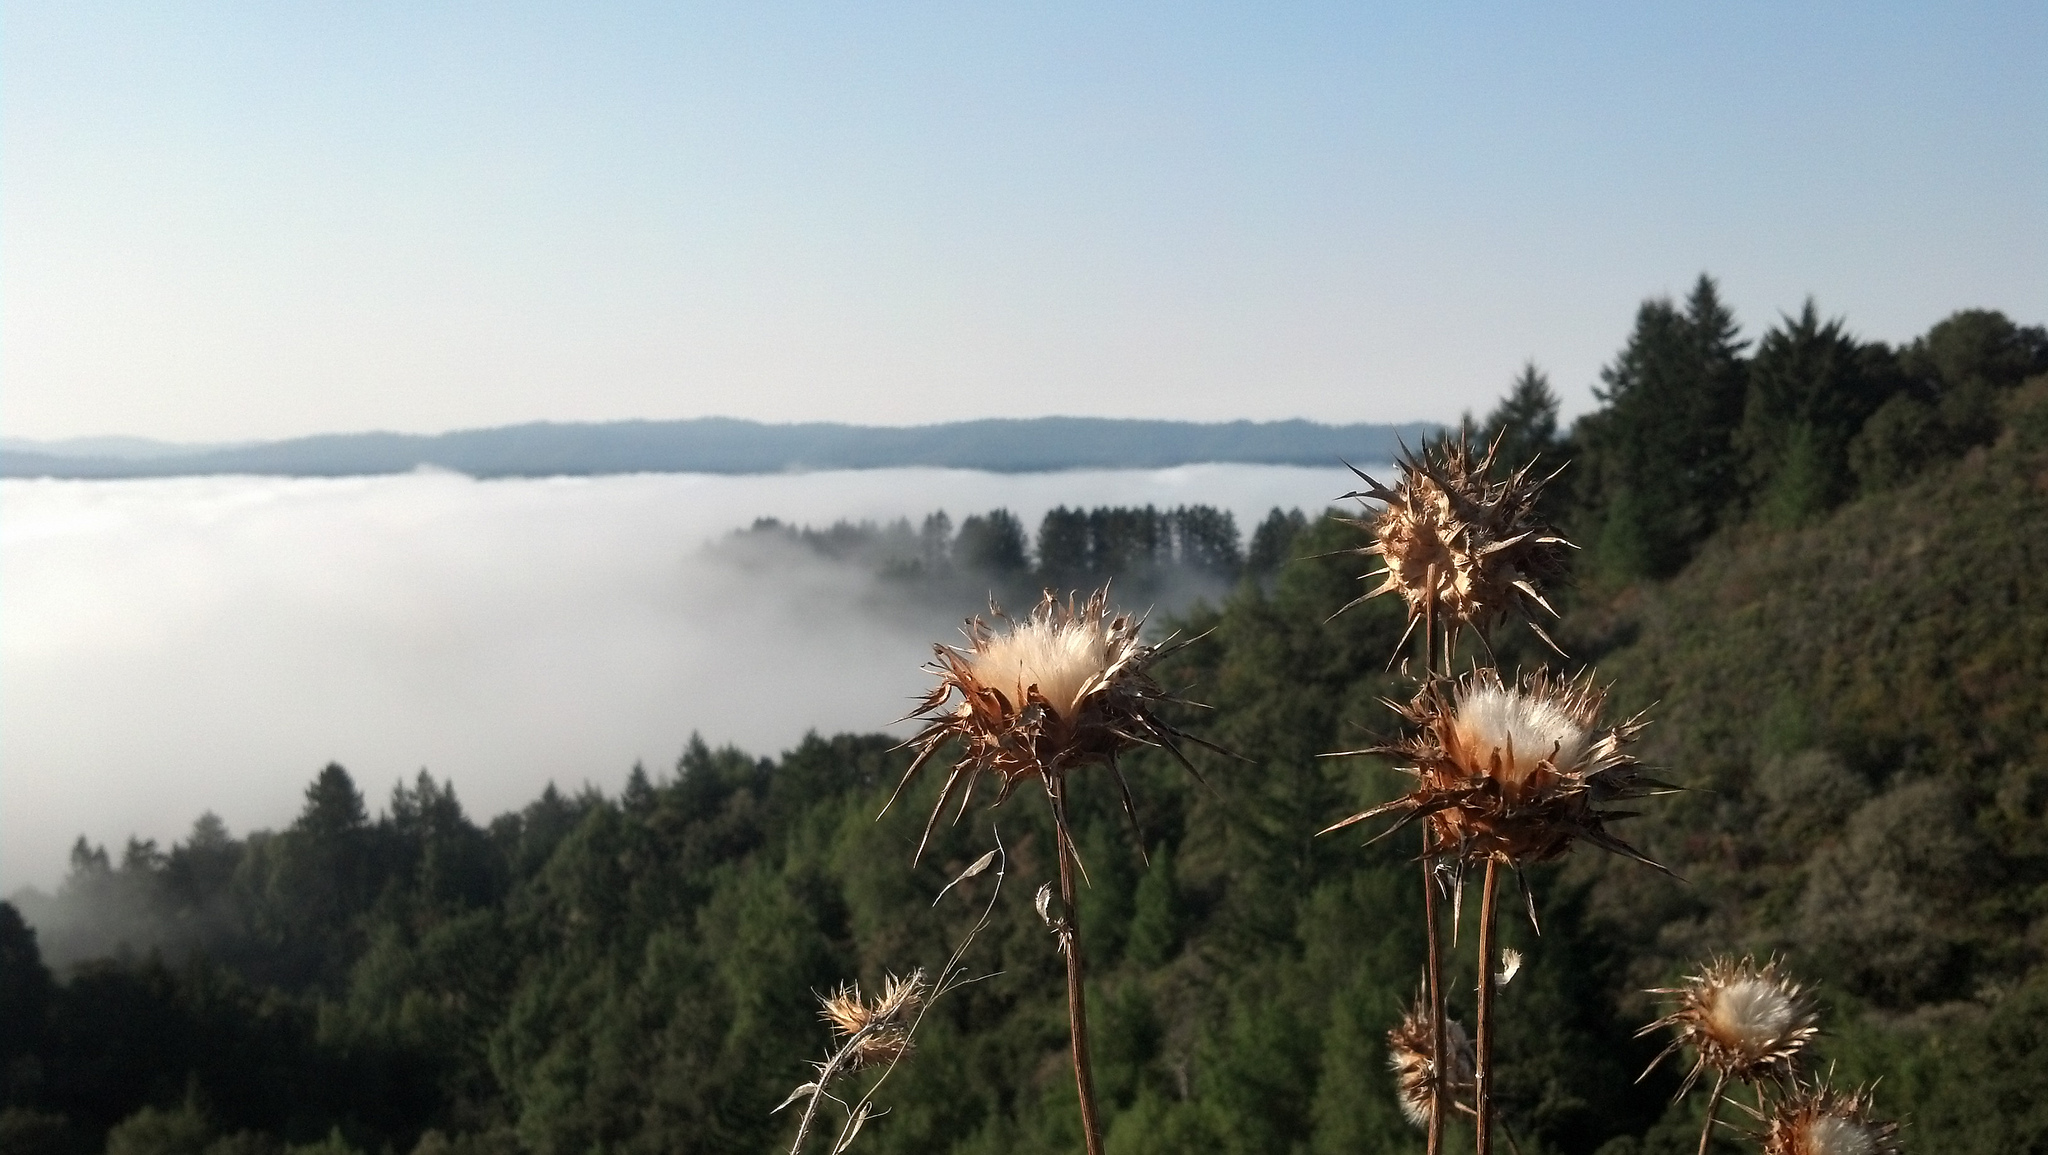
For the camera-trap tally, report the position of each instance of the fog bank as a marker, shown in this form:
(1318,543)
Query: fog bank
(173,646)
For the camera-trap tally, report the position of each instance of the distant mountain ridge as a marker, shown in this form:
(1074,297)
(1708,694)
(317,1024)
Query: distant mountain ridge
(728,445)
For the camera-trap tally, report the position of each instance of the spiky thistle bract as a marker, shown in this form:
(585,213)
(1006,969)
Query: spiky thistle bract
(1743,1021)
(1034,699)
(1411,1055)
(1512,773)
(1459,546)
(1818,1120)
(877,1031)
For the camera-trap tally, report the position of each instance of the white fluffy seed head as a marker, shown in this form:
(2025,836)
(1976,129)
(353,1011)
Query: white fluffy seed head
(1835,1135)
(1064,659)
(1752,1014)
(1520,730)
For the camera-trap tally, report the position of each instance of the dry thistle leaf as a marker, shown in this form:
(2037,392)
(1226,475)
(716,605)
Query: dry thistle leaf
(1457,545)
(799,1093)
(878,1031)
(1410,1054)
(853,1126)
(974,870)
(1515,774)
(1817,1120)
(1742,1021)
(1063,688)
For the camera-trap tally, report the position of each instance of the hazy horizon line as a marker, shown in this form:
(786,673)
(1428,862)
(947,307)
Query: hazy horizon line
(134,444)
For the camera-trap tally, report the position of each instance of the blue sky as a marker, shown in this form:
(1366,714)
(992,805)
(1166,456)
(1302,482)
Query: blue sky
(239,220)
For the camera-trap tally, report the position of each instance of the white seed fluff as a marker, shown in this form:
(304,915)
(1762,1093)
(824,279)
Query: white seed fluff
(1065,660)
(1752,1014)
(1521,729)
(1834,1135)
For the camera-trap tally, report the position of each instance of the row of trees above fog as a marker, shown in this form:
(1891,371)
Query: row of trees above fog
(1696,429)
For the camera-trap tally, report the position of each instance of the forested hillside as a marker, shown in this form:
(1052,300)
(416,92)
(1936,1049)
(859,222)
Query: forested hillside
(1816,562)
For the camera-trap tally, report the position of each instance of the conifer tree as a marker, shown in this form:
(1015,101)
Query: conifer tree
(1658,463)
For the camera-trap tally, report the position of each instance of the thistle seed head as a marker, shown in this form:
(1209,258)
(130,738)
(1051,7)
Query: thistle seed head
(1063,688)
(1057,661)
(1741,1020)
(1458,545)
(1513,773)
(1817,1120)
(1410,1053)
(878,1032)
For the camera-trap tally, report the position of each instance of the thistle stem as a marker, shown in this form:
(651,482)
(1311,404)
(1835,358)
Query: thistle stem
(1482,1083)
(1713,1105)
(1077,995)
(1439,1062)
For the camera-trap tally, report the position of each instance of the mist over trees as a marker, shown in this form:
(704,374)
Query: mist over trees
(1162,557)
(1819,557)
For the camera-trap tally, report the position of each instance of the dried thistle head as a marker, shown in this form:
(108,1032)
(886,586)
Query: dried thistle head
(1817,1120)
(1459,546)
(1411,1054)
(1063,688)
(1743,1021)
(1513,773)
(877,1032)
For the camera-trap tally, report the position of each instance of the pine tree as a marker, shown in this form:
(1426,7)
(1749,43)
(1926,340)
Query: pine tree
(1659,460)
(1811,389)
(1525,421)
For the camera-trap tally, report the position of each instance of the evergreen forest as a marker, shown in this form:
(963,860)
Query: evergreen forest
(1817,562)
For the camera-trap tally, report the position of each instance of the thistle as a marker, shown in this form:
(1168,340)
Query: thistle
(1062,689)
(1513,774)
(1506,775)
(1744,1022)
(1462,550)
(1818,1120)
(881,1033)
(874,1033)
(1411,1053)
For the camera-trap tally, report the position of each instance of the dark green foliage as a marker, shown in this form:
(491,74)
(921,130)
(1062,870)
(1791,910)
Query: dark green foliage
(1656,467)
(991,543)
(1979,345)
(1523,427)
(1950,399)
(1273,543)
(24,1003)
(1811,389)
(1154,556)
(24,1131)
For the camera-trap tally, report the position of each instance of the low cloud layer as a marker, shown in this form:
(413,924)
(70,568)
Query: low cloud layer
(175,646)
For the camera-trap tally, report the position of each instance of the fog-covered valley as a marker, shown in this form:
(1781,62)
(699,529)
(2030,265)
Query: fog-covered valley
(182,645)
